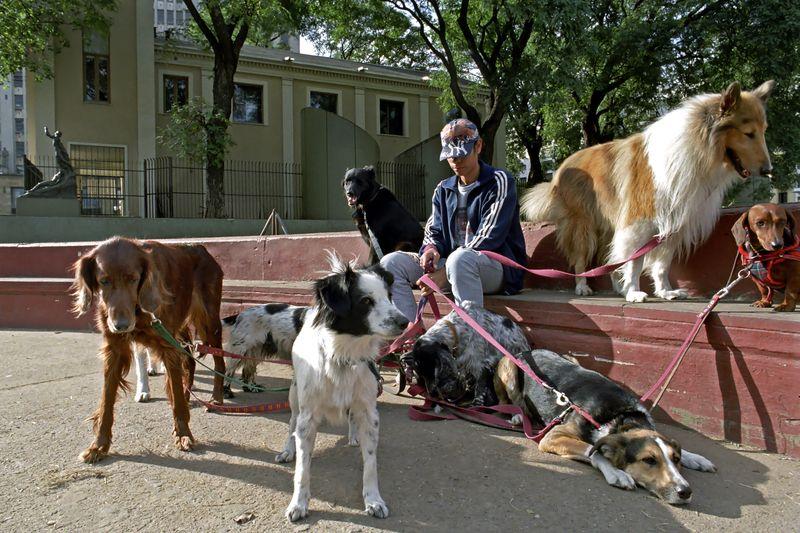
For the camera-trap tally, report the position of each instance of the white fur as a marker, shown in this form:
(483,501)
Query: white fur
(613,475)
(333,381)
(694,461)
(144,368)
(676,479)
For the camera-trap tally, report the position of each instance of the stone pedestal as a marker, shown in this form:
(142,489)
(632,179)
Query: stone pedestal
(48,207)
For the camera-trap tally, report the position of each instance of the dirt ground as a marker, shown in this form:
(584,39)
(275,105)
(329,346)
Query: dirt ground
(446,476)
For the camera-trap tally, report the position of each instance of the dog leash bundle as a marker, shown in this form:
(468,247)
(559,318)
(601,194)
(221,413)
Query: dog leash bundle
(561,398)
(560,274)
(414,329)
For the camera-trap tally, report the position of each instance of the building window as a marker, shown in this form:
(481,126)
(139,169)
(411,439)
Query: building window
(160,17)
(391,117)
(16,192)
(18,79)
(179,17)
(170,17)
(19,146)
(248,103)
(101,178)
(96,68)
(176,91)
(19,125)
(783,197)
(19,101)
(326,101)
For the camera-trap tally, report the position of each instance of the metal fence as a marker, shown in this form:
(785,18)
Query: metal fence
(407,182)
(176,187)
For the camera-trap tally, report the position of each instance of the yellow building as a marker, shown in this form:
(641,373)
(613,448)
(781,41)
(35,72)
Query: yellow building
(110,96)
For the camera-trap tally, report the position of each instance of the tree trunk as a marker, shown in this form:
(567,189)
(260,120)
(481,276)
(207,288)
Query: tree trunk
(534,149)
(591,120)
(215,144)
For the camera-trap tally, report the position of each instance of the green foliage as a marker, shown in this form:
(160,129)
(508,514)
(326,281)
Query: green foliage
(30,30)
(368,31)
(198,132)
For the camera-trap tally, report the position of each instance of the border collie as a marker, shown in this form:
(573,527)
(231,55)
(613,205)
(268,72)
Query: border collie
(352,317)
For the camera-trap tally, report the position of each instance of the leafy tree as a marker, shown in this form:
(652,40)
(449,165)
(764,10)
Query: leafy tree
(225,26)
(30,31)
(368,31)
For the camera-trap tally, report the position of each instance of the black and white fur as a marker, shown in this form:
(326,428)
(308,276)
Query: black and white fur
(265,331)
(626,449)
(450,368)
(385,224)
(352,317)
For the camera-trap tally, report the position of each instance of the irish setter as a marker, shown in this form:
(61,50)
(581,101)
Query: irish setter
(179,284)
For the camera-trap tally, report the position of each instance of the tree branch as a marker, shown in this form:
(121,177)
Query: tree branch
(209,35)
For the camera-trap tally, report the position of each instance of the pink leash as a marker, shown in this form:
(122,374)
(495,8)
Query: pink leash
(560,274)
(561,398)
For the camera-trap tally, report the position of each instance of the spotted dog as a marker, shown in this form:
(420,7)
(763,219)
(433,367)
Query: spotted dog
(626,449)
(451,360)
(267,332)
(352,317)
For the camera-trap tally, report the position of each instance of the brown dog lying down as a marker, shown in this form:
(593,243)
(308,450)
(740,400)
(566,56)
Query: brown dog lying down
(182,286)
(767,235)
(626,449)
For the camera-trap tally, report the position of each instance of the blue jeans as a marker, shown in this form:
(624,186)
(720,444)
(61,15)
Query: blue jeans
(470,274)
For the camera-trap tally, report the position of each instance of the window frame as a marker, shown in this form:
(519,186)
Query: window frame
(390,98)
(96,80)
(174,75)
(262,84)
(337,92)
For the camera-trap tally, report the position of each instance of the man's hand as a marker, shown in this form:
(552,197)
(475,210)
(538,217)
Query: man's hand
(439,277)
(429,259)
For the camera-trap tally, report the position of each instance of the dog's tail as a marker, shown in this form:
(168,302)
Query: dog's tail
(537,203)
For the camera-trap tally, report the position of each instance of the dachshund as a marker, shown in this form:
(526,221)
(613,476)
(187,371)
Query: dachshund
(767,236)
(133,282)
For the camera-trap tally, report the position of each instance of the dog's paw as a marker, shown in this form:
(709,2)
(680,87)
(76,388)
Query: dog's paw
(636,297)
(784,307)
(583,290)
(619,478)
(352,440)
(377,508)
(694,461)
(184,442)
(93,454)
(677,294)
(142,396)
(251,387)
(516,420)
(761,304)
(296,511)
(227,393)
(286,456)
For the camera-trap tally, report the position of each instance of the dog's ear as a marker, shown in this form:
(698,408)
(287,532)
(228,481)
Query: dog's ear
(739,228)
(764,90)
(332,292)
(151,287)
(791,229)
(85,284)
(612,447)
(730,98)
(369,172)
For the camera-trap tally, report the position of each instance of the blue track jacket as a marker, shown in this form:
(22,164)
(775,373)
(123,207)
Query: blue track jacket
(492,213)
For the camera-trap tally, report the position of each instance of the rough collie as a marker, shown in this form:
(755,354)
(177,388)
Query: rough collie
(668,180)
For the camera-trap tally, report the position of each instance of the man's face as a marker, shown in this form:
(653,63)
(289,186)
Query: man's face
(467,165)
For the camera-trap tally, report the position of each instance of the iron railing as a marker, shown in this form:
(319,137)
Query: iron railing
(407,182)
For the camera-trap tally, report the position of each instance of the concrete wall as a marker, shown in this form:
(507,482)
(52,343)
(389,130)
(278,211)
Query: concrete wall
(14,229)
(331,145)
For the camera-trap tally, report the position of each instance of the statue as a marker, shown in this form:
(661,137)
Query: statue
(64,183)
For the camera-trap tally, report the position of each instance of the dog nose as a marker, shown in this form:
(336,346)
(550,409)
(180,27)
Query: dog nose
(121,324)
(684,493)
(776,244)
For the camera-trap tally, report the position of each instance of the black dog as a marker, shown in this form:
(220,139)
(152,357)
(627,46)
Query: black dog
(384,223)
